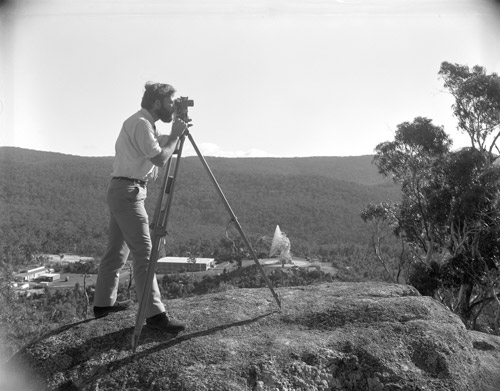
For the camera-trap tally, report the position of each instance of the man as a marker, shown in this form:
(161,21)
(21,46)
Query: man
(139,150)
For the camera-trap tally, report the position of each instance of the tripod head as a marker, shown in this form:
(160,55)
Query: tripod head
(181,105)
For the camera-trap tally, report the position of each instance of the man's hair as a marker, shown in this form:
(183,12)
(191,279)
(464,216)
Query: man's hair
(155,91)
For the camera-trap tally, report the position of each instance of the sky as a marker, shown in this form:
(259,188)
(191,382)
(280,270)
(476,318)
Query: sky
(275,78)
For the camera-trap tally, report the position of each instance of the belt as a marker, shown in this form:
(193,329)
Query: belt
(135,181)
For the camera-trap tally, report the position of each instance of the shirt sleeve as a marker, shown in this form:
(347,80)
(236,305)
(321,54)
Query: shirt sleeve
(146,140)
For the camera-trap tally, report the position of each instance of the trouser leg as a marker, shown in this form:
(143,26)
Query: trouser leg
(131,216)
(139,243)
(114,259)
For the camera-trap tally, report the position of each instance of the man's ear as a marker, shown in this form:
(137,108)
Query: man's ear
(157,104)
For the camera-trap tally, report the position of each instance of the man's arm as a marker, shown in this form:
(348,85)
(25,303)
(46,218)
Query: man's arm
(168,143)
(163,140)
(166,152)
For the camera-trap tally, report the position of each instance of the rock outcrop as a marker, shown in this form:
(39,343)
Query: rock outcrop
(335,336)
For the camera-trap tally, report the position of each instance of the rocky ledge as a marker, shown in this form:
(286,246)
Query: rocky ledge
(335,336)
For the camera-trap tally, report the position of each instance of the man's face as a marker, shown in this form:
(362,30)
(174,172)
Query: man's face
(166,110)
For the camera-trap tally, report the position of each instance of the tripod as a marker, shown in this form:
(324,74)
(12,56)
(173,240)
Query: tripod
(160,219)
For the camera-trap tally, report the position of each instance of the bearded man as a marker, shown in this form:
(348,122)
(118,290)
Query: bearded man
(139,151)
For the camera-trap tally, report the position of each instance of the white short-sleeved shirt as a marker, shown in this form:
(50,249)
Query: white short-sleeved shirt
(137,143)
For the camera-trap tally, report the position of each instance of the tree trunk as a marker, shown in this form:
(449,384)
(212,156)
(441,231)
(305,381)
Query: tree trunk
(497,315)
(381,259)
(463,306)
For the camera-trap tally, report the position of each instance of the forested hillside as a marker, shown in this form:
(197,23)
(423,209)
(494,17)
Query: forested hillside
(55,203)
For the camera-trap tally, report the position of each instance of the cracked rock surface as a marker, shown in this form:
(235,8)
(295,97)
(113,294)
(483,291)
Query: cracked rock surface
(335,336)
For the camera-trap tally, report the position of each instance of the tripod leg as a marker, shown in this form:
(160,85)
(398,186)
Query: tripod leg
(158,231)
(234,218)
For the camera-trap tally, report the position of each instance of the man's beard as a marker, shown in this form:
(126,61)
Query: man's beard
(164,114)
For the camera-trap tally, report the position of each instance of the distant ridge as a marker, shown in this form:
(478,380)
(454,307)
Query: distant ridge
(57,201)
(358,169)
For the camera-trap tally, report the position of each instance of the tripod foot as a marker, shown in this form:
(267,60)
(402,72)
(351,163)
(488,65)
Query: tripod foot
(134,343)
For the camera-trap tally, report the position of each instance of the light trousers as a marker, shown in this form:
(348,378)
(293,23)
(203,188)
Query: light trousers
(128,233)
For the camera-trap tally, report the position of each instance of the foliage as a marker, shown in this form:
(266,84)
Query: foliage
(385,226)
(183,284)
(414,160)
(477,103)
(426,278)
(88,267)
(415,145)
(57,203)
(24,319)
(449,216)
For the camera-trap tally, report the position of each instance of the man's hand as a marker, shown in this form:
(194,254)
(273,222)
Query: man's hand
(163,140)
(168,143)
(178,127)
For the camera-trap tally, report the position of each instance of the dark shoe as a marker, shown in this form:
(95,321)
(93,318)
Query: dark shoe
(100,312)
(162,322)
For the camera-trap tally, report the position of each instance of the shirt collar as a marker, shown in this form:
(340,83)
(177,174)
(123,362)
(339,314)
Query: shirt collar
(148,116)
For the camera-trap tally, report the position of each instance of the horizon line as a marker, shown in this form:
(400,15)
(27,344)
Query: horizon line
(194,154)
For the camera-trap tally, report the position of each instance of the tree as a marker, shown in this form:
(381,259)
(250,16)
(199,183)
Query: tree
(413,160)
(471,188)
(477,103)
(230,251)
(448,217)
(383,218)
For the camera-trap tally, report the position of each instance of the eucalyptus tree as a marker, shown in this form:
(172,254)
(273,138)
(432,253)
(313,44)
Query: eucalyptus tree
(477,103)
(414,160)
(471,190)
(385,225)
(448,218)
(449,214)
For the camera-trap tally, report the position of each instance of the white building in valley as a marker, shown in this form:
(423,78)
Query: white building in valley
(31,274)
(183,264)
